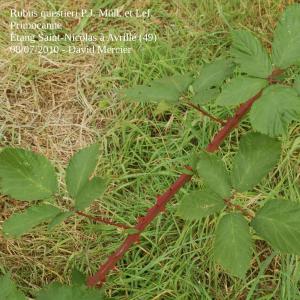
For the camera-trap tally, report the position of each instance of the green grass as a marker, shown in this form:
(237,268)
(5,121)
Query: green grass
(57,105)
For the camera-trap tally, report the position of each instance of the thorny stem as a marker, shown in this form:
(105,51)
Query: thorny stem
(102,220)
(99,277)
(231,123)
(205,113)
(161,201)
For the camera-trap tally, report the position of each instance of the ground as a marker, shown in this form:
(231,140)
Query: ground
(56,105)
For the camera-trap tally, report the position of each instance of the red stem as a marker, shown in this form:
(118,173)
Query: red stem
(102,220)
(162,200)
(231,124)
(142,223)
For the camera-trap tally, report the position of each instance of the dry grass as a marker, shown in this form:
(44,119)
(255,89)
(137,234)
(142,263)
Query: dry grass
(56,105)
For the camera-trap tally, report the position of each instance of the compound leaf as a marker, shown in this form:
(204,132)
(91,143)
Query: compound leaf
(81,167)
(286,42)
(167,89)
(276,108)
(214,174)
(25,175)
(211,77)
(256,156)
(76,292)
(278,222)
(21,223)
(9,290)
(199,204)
(250,54)
(89,192)
(240,89)
(233,244)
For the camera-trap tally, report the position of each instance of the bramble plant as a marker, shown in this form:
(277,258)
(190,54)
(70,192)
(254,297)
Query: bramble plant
(251,78)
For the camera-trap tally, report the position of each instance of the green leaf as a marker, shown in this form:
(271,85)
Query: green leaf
(286,43)
(214,174)
(205,96)
(81,167)
(213,74)
(199,204)
(79,171)
(256,157)
(25,175)
(276,108)
(233,244)
(60,217)
(92,190)
(76,292)
(21,223)
(250,54)
(297,84)
(78,278)
(278,222)
(211,77)
(240,89)
(8,289)
(167,89)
